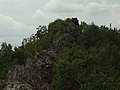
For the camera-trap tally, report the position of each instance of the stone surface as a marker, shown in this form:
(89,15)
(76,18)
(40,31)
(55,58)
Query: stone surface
(37,72)
(14,85)
(64,35)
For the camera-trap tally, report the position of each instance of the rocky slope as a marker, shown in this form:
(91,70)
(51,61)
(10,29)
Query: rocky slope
(64,33)
(37,73)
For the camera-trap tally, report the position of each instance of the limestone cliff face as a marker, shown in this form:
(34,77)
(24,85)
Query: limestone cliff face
(37,71)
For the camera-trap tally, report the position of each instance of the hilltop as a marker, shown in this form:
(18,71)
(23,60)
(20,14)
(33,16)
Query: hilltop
(66,55)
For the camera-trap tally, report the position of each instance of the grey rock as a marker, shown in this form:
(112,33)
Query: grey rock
(14,85)
(37,72)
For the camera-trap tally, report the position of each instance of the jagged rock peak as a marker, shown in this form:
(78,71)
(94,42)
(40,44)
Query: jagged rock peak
(64,33)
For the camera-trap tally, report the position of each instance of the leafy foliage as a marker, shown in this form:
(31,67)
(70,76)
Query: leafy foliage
(93,61)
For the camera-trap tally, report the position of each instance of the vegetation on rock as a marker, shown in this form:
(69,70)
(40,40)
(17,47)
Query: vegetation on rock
(65,56)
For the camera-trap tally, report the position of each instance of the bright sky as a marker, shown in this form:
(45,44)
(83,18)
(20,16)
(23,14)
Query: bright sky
(19,18)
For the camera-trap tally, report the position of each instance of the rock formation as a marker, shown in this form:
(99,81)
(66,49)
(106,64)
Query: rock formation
(64,33)
(14,85)
(37,71)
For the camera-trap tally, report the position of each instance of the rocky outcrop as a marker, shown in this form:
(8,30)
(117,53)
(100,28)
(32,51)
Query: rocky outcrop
(64,33)
(37,72)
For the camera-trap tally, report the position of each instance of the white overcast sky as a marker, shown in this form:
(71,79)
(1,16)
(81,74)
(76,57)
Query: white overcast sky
(19,18)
